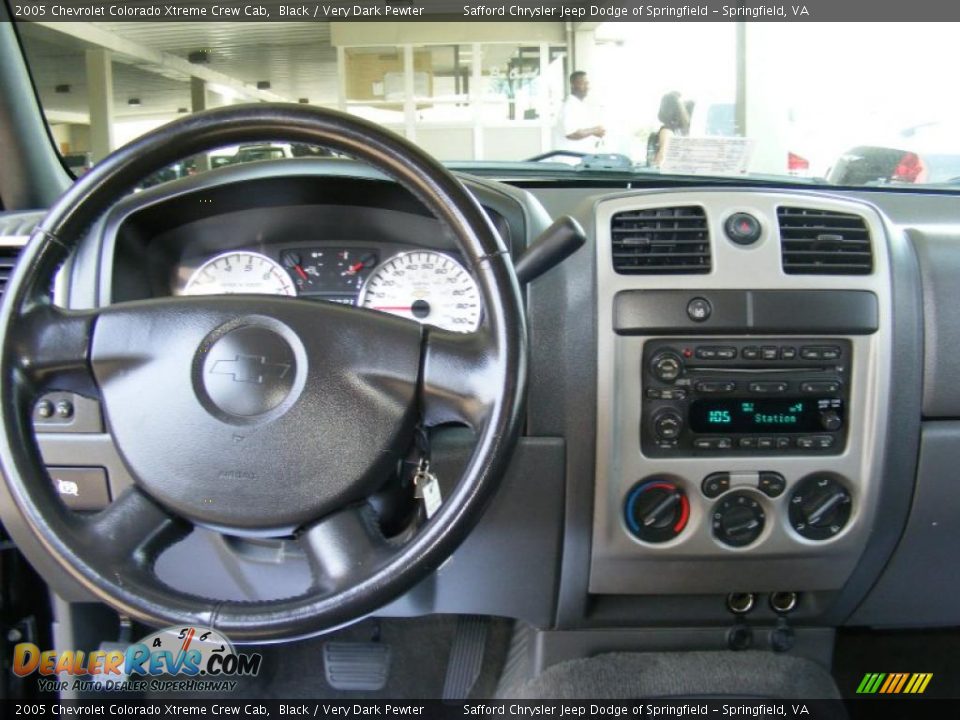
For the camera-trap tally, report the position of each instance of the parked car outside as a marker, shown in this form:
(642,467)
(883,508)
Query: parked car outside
(927,153)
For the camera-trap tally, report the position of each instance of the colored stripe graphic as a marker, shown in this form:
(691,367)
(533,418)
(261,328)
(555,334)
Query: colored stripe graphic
(891,679)
(894,683)
(903,681)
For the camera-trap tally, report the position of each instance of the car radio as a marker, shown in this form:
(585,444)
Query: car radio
(745,397)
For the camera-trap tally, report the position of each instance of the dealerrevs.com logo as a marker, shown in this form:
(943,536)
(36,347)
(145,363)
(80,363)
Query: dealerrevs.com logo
(185,659)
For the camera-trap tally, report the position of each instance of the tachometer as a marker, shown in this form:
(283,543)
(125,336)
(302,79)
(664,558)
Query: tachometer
(240,272)
(426,286)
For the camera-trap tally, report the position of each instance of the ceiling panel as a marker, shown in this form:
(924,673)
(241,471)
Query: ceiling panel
(296,58)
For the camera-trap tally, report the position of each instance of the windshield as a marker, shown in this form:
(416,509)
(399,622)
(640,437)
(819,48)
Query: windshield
(721,99)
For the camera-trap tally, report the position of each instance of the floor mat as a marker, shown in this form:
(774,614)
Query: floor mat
(419,648)
(859,652)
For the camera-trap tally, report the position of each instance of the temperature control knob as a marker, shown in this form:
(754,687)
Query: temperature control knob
(666,366)
(656,510)
(738,519)
(820,507)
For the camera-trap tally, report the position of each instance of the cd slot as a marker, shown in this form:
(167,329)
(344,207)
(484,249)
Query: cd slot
(757,371)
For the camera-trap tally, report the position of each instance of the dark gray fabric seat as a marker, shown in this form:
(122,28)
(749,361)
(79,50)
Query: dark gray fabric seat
(749,674)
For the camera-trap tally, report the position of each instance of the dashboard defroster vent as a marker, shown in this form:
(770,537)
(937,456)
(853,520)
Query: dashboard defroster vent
(660,241)
(8,258)
(824,242)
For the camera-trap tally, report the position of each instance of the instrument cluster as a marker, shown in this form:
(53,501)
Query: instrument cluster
(425,285)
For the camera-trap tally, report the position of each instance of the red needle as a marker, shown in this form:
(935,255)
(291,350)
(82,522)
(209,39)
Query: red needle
(392,307)
(356,267)
(300,272)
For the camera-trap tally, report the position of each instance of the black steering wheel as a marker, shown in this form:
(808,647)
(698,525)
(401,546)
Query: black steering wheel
(292,443)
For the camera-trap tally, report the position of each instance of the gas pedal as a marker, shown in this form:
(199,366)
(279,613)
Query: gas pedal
(466,657)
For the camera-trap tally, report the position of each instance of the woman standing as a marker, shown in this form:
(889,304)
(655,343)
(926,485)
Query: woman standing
(674,120)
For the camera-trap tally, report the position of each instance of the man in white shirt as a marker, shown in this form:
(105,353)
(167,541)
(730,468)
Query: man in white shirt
(578,126)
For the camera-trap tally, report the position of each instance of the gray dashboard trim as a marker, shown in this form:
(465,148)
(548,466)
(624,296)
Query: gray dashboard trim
(939,260)
(847,312)
(901,444)
(902,597)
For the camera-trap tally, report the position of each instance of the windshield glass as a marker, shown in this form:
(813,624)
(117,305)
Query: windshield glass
(724,99)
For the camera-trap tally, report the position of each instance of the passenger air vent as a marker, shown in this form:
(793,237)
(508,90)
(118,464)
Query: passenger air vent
(8,258)
(823,242)
(661,241)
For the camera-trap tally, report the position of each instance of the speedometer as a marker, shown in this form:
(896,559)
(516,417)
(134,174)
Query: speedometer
(240,272)
(426,286)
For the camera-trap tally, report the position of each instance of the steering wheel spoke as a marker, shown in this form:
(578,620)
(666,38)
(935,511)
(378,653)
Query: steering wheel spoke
(460,378)
(343,547)
(133,530)
(52,348)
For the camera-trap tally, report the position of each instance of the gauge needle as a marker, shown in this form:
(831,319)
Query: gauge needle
(300,272)
(393,307)
(353,269)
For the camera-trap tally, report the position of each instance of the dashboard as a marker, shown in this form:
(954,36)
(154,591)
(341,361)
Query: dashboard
(733,390)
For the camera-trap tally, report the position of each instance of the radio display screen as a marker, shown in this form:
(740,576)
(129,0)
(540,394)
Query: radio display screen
(749,415)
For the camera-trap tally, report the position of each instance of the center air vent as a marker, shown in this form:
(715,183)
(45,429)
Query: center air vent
(659,241)
(823,242)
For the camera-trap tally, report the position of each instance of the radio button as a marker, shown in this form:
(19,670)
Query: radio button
(667,366)
(726,353)
(783,443)
(764,443)
(750,353)
(747,443)
(823,442)
(724,444)
(830,353)
(706,353)
(715,484)
(715,387)
(666,394)
(811,353)
(769,353)
(820,387)
(704,444)
(805,443)
(788,353)
(768,387)
(771,484)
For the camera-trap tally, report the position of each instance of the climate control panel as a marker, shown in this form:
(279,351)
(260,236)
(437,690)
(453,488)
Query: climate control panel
(740,505)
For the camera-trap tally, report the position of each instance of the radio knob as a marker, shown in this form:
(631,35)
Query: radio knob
(831,420)
(667,425)
(667,366)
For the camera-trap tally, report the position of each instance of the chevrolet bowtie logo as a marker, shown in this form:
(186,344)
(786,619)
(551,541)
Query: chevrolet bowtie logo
(250,369)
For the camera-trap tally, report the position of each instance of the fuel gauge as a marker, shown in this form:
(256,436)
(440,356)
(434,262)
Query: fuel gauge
(305,273)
